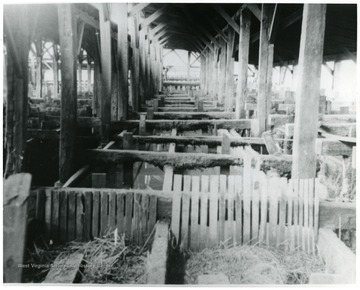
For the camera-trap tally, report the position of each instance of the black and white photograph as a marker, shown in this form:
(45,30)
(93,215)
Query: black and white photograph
(179,143)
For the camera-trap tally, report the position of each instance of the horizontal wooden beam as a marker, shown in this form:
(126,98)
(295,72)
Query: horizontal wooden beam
(332,147)
(199,140)
(181,125)
(187,160)
(193,115)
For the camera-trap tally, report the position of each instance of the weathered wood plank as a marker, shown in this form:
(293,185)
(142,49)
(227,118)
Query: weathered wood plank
(96,214)
(213,209)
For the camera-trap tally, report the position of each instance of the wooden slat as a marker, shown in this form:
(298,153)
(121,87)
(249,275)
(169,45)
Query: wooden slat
(152,213)
(96,214)
(40,206)
(213,210)
(306,215)
(222,209)
(120,212)
(204,198)
(71,216)
(194,229)
(144,218)
(136,224)
(311,217)
(247,192)
(230,224)
(47,213)
(296,212)
(238,211)
(185,212)
(316,215)
(79,217)
(63,216)
(301,212)
(281,235)
(255,210)
(87,216)
(112,211)
(264,207)
(273,213)
(55,215)
(290,227)
(104,203)
(128,212)
(176,207)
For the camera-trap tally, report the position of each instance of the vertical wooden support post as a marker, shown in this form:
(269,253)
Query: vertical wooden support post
(120,17)
(68,42)
(135,62)
(55,70)
(88,68)
(244,43)
(128,165)
(222,72)
(160,68)
(229,95)
(18,45)
(80,61)
(97,86)
(142,66)
(105,56)
(307,100)
(16,193)
(202,73)
(266,52)
(39,46)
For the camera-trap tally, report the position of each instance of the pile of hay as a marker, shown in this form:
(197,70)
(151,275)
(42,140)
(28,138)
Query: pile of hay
(253,265)
(107,260)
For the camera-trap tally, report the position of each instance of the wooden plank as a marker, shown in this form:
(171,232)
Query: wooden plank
(194,219)
(142,125)
(271,145)
(255,199)
(120,212)
(79,217)
(311,217)
(104,203)
(47,214)
(136,223)
(96,214)
(230,224)
(247,194)
(222,209)
(87,216)
(16,192)
(264,207)
(185,212)
(169,170)
(193,115)
(204,199)
(213,210)
(281,233)
(152,213)
(176,207)
(290,220)
(301,213)
(273,210)
(238,211)
(68,123)
(129,214)
(66,270)
(332,147)
(144,232)
(55,208)
(307,100)
(71,221)
(112,211)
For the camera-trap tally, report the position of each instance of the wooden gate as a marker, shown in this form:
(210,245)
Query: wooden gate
(244,209)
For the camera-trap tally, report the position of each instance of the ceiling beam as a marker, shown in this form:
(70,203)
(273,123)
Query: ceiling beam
(157,29)
(255,10)
(275,23)
(137,8)
(226,16)
(148,20)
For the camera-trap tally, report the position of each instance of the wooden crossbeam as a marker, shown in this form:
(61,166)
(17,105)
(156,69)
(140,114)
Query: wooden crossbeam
(275,23)
(226,16)
(147,21)
(157,29)
(137,8)
(255,10)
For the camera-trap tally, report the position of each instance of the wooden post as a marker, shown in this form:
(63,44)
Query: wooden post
(244,43)
(120,17)
(142,66)
(39,46)
(307,100)
(68,43)
(16,192)
(88,67)
(80,60)
(105,56)
(222,72)
(135,62)
(97,86)
(229,95)
(128,144)
(18,46)
(266,52)
(56,57)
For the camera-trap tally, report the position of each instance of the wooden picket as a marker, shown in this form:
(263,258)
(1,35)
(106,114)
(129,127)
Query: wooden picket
(244,209)
(68,215)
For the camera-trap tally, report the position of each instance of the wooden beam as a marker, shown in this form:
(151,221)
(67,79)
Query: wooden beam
(243,60)
(229,90)
(228,19)
(185,160)
(68,45)
(266,52)
(193,115)
(255,10)
(135,64)
(137,8)
(106,70)
(184,124)
(157,29)
(307,100)
(80,37)
(121,19)
(147,21)
(332,147)
(275,23)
